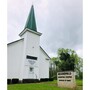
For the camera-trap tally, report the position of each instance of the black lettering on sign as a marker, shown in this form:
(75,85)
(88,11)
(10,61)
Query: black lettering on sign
(68,76)
(64,73)
(68,80)
(61,77)
(61,80)
(31,57)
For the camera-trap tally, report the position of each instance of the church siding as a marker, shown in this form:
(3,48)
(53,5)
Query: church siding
(14,52)
(44,65)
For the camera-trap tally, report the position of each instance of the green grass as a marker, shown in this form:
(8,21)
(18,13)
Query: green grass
(79,82)
(42,86)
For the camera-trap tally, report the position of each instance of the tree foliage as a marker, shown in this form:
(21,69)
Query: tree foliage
(68,60)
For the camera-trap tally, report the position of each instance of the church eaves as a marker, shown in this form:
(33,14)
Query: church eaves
(31,23)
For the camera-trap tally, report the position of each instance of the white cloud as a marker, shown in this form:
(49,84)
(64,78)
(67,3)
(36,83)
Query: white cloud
(52,54)
(80,52)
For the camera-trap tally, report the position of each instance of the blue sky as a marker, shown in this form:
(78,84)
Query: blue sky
(60,22)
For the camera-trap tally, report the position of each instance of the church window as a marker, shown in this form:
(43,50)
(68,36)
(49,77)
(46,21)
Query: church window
(31,69)
(31,57)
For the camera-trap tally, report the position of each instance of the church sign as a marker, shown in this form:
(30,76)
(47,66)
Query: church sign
(66,79)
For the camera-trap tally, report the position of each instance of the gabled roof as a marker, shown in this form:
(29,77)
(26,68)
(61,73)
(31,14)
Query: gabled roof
(15,41)
(31,23)
(45,52)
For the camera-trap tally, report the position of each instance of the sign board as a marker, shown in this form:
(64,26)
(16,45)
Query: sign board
(66,79)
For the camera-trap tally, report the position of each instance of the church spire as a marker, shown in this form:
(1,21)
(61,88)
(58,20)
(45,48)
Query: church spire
(31,23)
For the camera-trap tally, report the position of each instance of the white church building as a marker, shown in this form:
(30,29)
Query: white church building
(26,58)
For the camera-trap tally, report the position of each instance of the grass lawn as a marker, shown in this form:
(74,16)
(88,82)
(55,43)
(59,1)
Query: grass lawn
(42,86)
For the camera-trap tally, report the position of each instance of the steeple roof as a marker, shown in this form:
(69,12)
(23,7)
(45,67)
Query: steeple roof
(31,23)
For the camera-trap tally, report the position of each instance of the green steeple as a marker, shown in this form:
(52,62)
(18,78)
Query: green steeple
(31,23)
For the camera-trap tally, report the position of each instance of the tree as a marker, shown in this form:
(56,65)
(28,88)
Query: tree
(68,60)
(79,68)
(53,68)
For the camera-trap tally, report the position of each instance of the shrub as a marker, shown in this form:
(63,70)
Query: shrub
(30,80)
(15,80)
(51,79)
(9,81)
(44,79)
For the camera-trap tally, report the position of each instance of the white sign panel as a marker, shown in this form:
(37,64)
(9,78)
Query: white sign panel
(66,79)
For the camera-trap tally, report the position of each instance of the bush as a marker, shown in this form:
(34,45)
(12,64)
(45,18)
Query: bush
(44,79)
(81,75)
(9,81)
(51,79)
(30,80)
(15,80)
(54,77)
